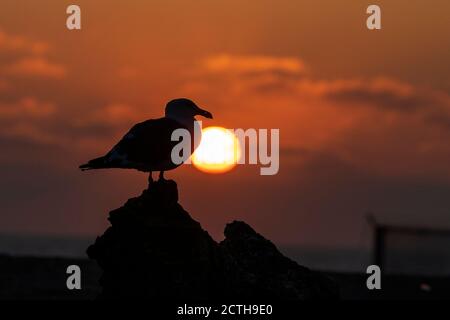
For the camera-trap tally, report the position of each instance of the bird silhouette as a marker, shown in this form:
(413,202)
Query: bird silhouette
(148,145)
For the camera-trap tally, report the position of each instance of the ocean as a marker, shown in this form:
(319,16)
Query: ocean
(398,261)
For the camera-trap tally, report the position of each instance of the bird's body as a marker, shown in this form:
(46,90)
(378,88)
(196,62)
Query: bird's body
(148,145)
(139,149)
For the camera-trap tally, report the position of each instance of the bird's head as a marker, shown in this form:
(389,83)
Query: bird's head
(185,109)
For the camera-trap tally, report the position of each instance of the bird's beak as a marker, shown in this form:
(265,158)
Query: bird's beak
(205,113)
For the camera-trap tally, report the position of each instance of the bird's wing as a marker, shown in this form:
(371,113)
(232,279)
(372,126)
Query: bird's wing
(147,145)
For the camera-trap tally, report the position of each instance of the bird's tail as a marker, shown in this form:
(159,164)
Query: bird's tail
(96,163)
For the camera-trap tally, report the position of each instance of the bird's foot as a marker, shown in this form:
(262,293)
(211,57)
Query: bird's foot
(161,176)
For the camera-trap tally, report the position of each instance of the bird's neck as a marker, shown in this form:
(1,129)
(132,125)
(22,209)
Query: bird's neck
(192,125)
(187,122)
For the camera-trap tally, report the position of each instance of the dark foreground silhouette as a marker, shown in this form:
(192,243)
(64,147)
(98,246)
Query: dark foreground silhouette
(154,249)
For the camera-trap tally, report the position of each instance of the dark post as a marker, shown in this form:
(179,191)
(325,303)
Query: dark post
(379,244)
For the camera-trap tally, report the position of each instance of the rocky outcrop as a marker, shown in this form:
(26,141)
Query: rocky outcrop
(154,249)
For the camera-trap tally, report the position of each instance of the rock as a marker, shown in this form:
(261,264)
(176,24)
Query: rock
(270,274)
(154,249)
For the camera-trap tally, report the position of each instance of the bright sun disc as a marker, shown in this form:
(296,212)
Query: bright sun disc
(218,151)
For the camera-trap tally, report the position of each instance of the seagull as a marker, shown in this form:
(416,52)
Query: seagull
(147,147)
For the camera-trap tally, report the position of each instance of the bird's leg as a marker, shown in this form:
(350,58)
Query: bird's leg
(161,175)
(150,178)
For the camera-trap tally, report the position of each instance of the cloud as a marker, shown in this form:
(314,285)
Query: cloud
(26,119)
(240,74)
(373,123)
(115,116)
(36,67)
(26,108)
(265,74)
(16,43)
(102,126)
(380,92)
(42,122)
(388,97)
(439,117)
(253,64)
(23,57)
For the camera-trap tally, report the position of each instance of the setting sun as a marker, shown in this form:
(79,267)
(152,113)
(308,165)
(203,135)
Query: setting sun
(218,151)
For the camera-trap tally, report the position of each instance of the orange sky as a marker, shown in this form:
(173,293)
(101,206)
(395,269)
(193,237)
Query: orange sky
(364,117)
